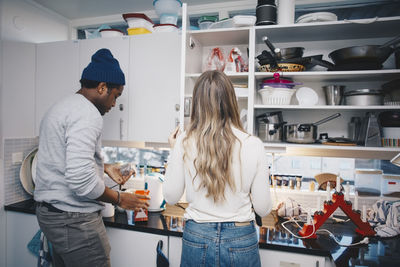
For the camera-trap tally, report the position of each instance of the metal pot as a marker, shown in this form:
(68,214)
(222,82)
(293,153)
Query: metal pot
(305,133)
(364,97)
(269,126)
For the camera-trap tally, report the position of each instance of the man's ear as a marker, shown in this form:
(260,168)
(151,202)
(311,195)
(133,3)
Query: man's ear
(102,88)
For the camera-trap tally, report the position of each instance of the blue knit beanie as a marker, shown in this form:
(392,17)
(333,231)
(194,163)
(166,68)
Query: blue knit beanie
(104,68)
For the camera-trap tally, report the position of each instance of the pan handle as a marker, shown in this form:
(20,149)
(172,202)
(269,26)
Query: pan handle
(322,63)
(334,116)
(394,41)
(276,52)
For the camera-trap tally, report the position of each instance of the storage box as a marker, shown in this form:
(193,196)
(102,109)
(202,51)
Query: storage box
(391,185)
(367,182)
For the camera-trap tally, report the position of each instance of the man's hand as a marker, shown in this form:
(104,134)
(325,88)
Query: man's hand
(114,172)
(134,202)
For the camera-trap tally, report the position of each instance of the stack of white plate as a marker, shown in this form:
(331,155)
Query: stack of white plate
(317,17)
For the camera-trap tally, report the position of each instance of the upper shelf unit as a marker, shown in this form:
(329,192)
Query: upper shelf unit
(337,30)
(230,36)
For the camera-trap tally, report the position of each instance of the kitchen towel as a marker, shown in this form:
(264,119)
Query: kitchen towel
(385,216)
(40,247)
(162,260)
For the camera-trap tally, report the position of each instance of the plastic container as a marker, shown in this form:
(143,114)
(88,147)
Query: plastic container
(110,33)
(167,10)
(138,20)
(391,185)
(276,96)
(165,28)
(206,21)
(367,182)
(135,31)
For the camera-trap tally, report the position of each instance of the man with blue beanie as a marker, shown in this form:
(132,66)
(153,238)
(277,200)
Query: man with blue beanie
(69,186)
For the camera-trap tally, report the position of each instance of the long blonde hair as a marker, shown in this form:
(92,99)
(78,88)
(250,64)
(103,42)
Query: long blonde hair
(214,112)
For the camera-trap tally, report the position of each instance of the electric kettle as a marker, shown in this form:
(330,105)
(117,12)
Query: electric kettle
(154,182)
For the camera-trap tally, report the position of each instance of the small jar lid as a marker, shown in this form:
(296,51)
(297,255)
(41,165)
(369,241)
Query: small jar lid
(137,15)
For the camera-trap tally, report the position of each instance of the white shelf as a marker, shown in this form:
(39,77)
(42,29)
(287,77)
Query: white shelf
(326,107)
(319,150)
(231,36)
(336,30)
(235,75)
(336,76)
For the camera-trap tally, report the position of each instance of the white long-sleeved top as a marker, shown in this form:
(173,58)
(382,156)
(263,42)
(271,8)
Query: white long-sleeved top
(250,176)
(69,172)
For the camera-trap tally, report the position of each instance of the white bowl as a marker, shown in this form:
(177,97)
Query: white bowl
(276,96)
(110,33)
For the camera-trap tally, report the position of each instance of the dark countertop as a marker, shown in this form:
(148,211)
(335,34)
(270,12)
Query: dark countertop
(379,251)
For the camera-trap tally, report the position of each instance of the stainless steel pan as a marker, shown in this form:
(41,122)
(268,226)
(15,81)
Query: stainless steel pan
(305,133)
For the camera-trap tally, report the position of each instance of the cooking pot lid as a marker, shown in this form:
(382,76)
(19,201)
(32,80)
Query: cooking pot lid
(364,92)
(276,79)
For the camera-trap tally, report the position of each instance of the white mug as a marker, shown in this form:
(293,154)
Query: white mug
(286,9)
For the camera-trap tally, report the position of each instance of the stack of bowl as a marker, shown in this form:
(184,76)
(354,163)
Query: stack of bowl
(277,91)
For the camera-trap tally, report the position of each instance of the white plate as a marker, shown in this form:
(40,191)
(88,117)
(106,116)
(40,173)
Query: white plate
(33,170)
(25,172)
(317,17)
(306,96)
(156,210)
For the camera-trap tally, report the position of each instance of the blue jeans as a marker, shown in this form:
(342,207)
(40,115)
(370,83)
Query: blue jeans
(219,244)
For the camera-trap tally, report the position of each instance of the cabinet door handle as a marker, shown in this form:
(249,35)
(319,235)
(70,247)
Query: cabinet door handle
(317,264)
(121,128)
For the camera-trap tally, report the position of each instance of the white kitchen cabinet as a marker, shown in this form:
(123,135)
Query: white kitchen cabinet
(175,251)
(57,75)
(274,258)
(21,228)
(116,121)
(317,38)
(133,248)
(154,79)
(18,89)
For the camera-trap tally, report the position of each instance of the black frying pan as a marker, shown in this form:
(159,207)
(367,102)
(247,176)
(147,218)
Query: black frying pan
(365,54)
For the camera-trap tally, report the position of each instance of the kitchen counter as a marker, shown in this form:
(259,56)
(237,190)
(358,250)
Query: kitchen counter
(379,252)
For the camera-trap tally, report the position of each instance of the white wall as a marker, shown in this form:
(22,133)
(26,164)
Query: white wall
(26,21)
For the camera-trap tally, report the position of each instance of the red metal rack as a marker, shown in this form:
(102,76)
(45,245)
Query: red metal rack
(363,228)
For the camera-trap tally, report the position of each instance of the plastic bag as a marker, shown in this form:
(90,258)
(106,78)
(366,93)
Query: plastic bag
(215,60)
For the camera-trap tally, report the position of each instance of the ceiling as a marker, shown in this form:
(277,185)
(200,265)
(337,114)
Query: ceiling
(79,9)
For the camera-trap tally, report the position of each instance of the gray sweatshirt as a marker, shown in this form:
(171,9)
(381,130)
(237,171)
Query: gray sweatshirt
(69,172)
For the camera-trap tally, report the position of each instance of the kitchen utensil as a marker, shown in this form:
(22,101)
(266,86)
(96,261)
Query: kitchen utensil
(333,94)
(276,96)
(286,10)
(366,54)
(354,128)
(283,53)
(282,67)
(306,96)
(392,89)
(165,28)
(110,33)
(325,177)
(370,132)
(154,183)
(278,82)
(317,17)
(390,118)
(364,97)
(25,172)
(266,12)
(269,126)
(305,133)
(167,10)
(138,20)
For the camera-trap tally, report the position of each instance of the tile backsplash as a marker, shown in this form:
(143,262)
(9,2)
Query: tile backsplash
(13,190)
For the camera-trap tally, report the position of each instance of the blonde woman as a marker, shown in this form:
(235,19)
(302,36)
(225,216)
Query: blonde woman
(224,171)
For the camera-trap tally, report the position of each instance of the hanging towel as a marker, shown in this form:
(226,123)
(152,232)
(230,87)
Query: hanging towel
(162,260)
(40,247)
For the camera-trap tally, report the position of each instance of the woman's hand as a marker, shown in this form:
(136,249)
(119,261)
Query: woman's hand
(173,136)
(114,172)
(134,202)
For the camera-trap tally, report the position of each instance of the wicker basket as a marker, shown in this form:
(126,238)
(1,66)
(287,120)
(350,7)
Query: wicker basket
(276,96)
(282,67)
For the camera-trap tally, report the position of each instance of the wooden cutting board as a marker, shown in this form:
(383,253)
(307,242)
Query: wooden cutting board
(339,144)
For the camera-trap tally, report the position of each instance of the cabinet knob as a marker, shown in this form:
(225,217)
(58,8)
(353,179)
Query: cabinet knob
(177,107)
(121,107)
